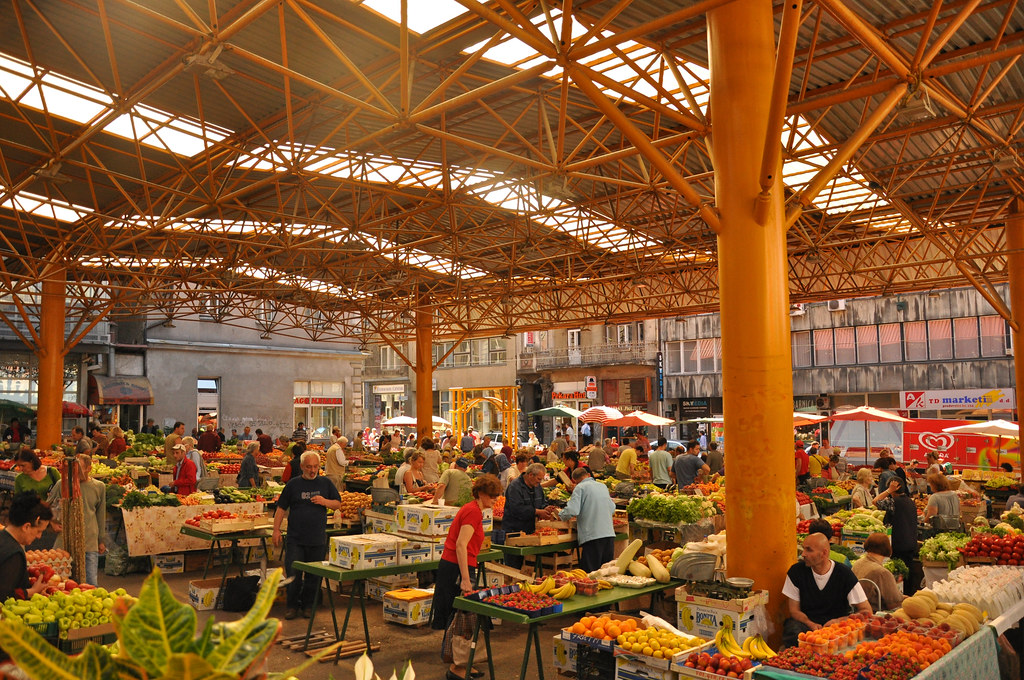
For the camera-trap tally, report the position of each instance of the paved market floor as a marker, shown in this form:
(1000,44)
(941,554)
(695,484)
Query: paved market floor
(398,643)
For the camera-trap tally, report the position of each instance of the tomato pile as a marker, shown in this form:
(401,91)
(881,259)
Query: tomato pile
(1004,549)
(922,649)
(522,600)
(802,498)
(210,514)
(804,527)
(499,507)
(229,468)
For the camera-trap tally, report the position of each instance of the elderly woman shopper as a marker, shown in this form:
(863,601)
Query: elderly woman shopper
(456,571)
(861,495)
(876,551)
(248,471)
(117,444)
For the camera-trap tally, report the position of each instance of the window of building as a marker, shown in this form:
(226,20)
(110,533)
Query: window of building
(496,350)
(846,347)
(824,351)
(940,339)
(673,358)
(463,353)
(802,356)
(389,359)
(867,344)
(993,336)
(890,343)
(320,404)
(915,340)
(965,338)
(439,350)
(691,356)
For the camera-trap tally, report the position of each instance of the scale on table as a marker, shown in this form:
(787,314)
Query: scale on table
(382,498)
(730,589)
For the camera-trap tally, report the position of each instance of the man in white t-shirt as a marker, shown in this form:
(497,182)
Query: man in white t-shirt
(819,591)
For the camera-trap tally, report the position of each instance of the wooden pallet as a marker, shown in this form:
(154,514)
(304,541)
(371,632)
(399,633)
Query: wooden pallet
(558,561)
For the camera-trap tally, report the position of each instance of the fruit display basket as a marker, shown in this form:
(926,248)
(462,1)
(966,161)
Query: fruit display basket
(518,538)
(517,600)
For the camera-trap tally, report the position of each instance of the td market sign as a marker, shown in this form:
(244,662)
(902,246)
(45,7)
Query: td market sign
(954,400)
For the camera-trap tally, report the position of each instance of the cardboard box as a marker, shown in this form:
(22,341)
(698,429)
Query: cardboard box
(172,563)
(427,520)
(564,655)
(408,606)
(363,551)
(703,616)
(488,521)
(412,551)
(685,672)
(205,594)
(380,522)
(606,645)
(627,670)
(375,588)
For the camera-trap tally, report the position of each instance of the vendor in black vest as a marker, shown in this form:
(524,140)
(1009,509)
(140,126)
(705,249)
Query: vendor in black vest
(819,591)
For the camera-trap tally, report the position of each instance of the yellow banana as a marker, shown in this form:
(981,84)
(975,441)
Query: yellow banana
(604,585)
(765,649)
(735,649)
(547,586)
(748,647)
(718,641)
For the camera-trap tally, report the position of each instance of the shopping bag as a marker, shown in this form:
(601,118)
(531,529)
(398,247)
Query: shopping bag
(458,640)
(240,593)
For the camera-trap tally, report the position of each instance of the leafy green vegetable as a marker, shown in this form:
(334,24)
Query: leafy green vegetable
(846,552)
(896,567)
(671,509)
(138,499)
(944,547)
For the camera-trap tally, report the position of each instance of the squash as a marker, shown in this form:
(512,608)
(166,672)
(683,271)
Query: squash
(628,554)
(658,570)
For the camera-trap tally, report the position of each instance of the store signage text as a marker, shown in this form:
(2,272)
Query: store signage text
(320,401)
(958,399)
(389,389)
(571,395)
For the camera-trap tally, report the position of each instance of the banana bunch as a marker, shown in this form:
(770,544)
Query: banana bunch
(604,585)
(575,573)
(753,647)
(564,592)
(543,588)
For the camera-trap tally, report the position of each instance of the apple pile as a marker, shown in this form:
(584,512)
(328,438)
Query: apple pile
(718,664)
(76,608)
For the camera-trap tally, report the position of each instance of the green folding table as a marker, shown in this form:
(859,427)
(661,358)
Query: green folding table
(538,551)
(358,577)
(233,538)
(578,605)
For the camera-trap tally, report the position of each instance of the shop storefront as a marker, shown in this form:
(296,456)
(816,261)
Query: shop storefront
(387,400)
(320,405)
(119,400)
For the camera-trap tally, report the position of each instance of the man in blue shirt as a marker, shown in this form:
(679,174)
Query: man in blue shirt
(524,505)
(467,442)
(593,507)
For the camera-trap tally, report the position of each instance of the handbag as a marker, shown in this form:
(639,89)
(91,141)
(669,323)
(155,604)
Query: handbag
(240,593)
(458,640)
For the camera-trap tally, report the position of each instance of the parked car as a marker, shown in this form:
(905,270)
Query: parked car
(499,437)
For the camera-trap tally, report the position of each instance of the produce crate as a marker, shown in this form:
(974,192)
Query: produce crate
(518,538)
(661,664)
(227,480)
(968,513)
(558,561)
(226,525)
(78,638)
(604,645)
(594,664)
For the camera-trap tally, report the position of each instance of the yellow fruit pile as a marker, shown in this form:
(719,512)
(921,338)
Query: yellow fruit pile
(660,644)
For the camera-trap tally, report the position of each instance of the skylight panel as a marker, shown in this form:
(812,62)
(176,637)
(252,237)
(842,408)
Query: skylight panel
(50,208)
(421,16)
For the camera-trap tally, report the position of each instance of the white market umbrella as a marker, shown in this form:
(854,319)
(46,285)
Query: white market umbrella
(409,421)
(990,428)
(807,419)
(869,414)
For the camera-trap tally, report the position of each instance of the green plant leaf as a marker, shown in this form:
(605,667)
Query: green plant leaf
(156,627)
(42,661)
(204,644)
(237,645)
(192,667)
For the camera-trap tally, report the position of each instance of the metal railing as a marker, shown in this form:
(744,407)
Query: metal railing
(591,355)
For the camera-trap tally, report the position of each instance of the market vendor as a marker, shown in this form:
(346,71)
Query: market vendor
(94,511)
(184,472)
(209,442)
(27,519)
(16,433)
(524,505)
(819,591)
(248,472)
(593,507)
(454,483)
(177,432)
(876,551)
(305,499)
(266,442)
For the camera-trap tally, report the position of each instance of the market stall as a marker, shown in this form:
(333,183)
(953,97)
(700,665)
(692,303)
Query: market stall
(577,605)
(156,530)
(358,578)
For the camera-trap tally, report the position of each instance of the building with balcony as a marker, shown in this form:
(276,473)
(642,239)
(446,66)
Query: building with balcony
(614,365)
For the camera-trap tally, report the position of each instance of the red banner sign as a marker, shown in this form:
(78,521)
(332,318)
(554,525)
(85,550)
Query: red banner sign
(962,450)
(320,401)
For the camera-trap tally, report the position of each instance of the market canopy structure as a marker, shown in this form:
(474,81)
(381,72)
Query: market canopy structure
(318,167)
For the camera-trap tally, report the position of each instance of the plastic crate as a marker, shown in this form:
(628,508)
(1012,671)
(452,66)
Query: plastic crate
(76,646)
(594,664)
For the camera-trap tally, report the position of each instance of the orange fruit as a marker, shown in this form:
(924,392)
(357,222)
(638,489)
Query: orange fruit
(614,630)
(579,628)
(597,631)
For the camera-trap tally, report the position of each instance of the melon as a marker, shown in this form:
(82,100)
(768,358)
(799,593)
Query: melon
(917,607)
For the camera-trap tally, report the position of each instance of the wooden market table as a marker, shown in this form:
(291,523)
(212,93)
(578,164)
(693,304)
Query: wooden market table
(580,604)
(233,537)
(538,551)
(358,578)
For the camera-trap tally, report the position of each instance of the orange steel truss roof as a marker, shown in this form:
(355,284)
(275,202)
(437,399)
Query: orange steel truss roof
(315,165)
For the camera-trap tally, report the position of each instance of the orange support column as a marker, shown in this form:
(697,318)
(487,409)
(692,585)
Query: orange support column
(757,379)
(51,360)
(1015,267)
(424,369)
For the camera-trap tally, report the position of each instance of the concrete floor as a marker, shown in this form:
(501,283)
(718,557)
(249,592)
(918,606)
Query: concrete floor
(399,644)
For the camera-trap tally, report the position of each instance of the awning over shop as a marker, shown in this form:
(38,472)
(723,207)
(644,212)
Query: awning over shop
(120,389)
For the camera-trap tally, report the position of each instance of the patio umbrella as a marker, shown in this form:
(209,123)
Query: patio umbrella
(990,428)
(559,411)
(711,419)
(15,409)
(806,419)
(600,414)
(640,419)
(409,421)
(868,414)
(70,409)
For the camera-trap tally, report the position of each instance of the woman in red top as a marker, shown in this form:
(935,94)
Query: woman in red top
(117,444)
(456,572)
